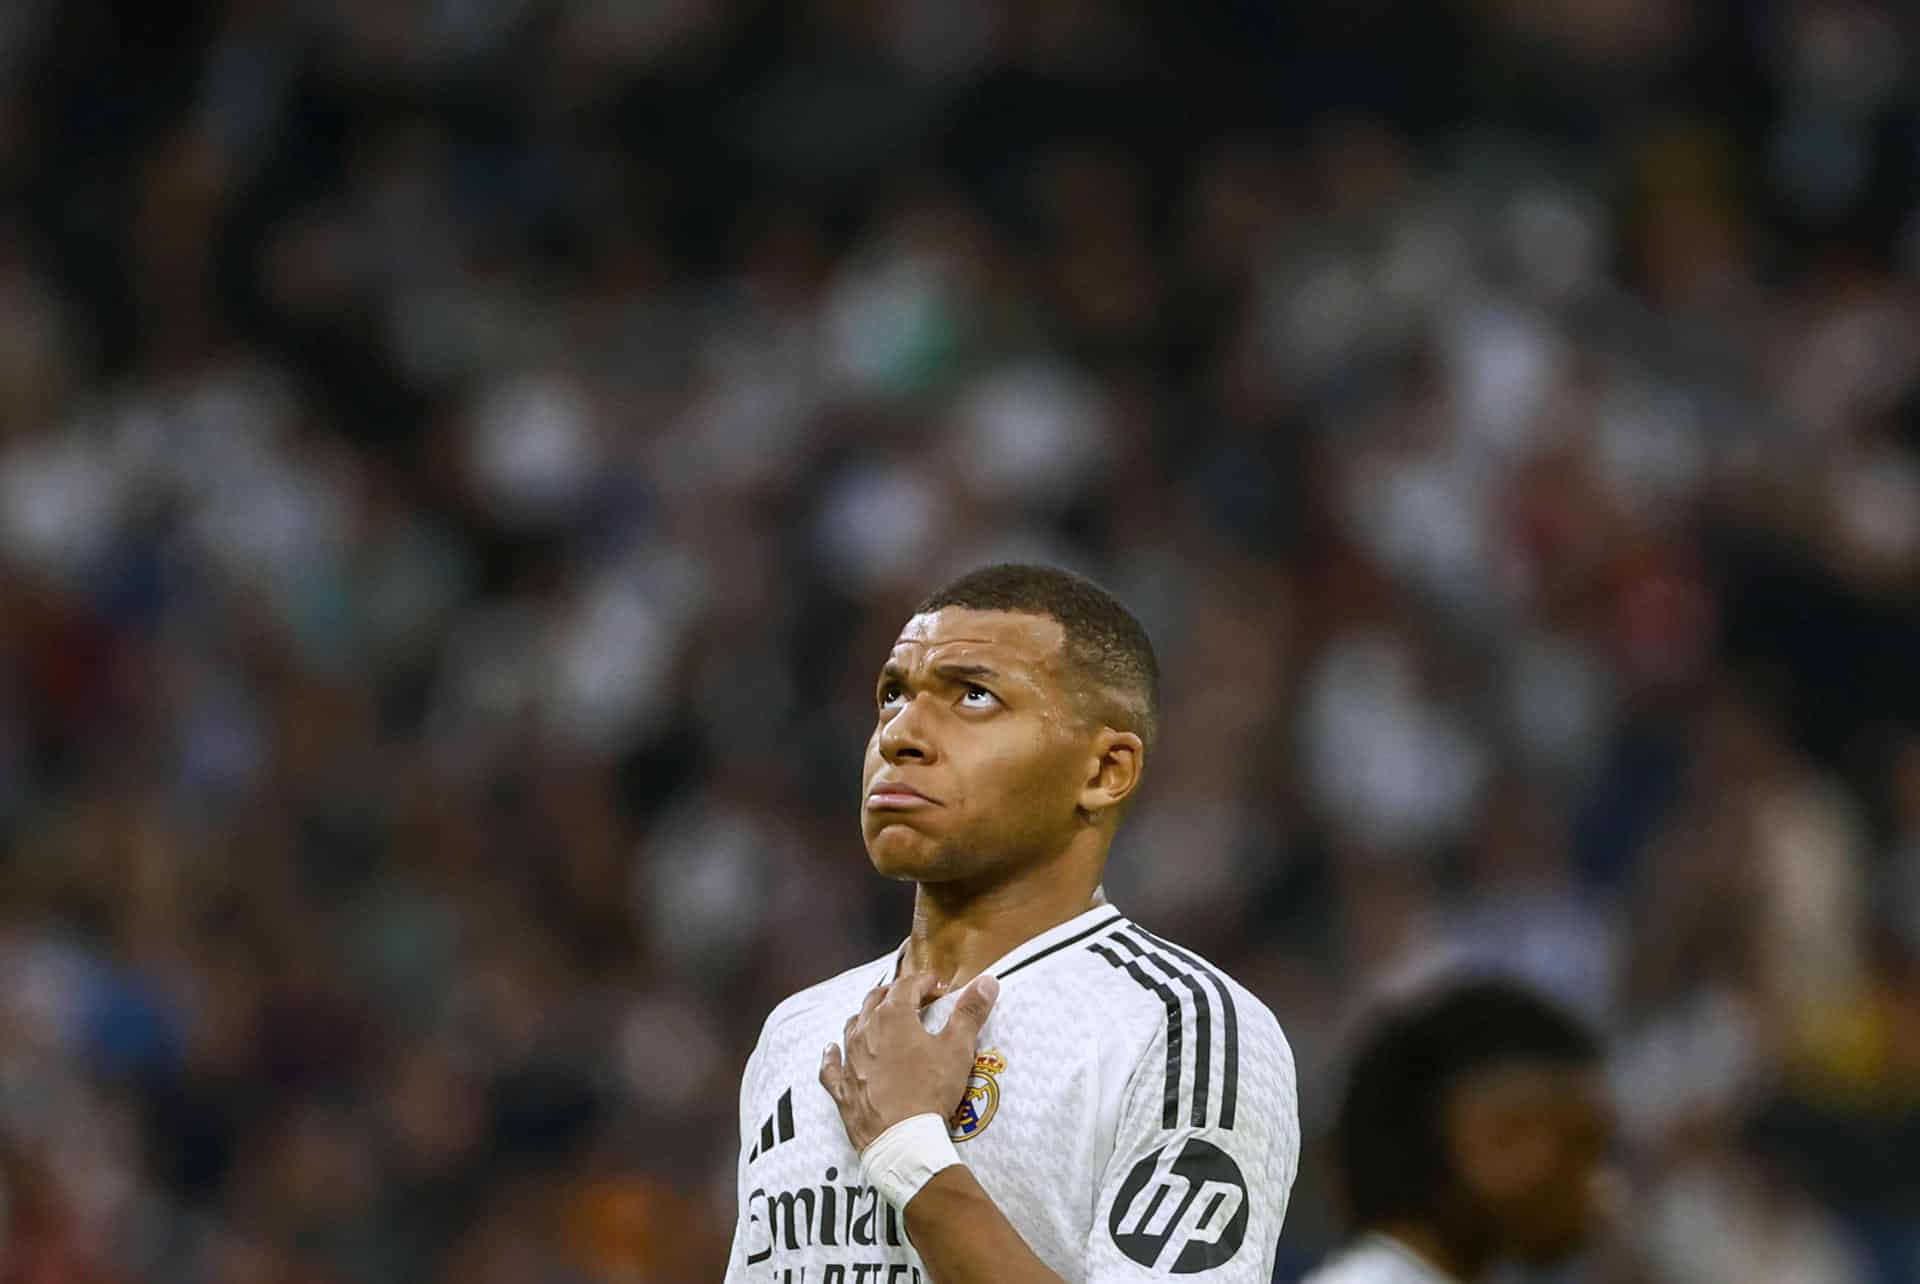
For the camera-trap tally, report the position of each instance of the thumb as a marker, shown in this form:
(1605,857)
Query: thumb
(976,1003)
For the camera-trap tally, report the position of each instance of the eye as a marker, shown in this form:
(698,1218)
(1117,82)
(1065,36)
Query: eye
(978,697)
(889,693)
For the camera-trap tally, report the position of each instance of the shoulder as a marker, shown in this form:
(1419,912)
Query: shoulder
(1205,1049)
(1371,1261)
(1346,1268)
(840,995)
(1339,1270)
(1146,975)
(834,999)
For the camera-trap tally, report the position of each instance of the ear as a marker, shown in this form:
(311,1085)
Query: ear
(1118,760)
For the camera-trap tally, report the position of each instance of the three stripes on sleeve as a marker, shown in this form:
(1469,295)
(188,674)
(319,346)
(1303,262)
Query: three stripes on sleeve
(777,1128)
(1158,967)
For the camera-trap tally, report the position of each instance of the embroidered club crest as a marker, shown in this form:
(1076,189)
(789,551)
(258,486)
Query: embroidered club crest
(982,1099)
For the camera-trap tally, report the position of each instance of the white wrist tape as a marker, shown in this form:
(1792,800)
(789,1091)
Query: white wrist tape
(905,1157)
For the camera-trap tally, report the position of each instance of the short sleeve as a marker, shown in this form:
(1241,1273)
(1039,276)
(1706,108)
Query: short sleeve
(1201,1192)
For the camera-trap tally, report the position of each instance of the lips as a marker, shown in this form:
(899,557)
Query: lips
(892,796)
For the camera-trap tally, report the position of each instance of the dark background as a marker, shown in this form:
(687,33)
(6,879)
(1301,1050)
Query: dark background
(462,462)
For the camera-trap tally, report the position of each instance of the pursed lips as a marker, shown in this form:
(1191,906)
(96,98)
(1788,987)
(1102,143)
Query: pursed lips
(896,797)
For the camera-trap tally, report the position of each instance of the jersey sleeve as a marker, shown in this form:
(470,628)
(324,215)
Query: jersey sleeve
(1199,1186)
(737,1256)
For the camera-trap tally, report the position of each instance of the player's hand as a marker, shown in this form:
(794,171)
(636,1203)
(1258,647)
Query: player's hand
(892,1068)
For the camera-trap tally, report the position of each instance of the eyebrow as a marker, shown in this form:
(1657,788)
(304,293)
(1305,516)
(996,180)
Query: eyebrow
(951,672)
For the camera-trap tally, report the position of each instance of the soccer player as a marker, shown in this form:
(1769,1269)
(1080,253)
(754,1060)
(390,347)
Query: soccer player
(1032,1087)
(1473,1133)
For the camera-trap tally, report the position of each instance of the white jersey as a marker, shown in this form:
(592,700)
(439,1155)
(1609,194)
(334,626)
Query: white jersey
(1378,1259)
(1132,1112)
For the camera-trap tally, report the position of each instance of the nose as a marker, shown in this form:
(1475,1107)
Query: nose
(1608,1195)
(905,736)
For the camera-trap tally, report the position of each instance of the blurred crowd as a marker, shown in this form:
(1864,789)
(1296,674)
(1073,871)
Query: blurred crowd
(463,461)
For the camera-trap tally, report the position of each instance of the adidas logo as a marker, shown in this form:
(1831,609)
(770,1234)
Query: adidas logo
(777,1128)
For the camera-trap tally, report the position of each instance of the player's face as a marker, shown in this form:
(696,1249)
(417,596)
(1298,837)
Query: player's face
(978,754)
(1535,1155)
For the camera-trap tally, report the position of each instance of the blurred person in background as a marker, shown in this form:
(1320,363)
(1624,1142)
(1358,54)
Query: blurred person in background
(1472,1133)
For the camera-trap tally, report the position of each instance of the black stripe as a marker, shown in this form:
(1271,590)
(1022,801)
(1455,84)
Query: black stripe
(766,1135)
(1203,1024)
(1170,1103)
(1231,1086)
(786,1115)
(1057,946)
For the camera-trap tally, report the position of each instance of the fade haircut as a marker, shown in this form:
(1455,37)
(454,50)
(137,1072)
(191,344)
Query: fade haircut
(1108,653)
(1391,1125)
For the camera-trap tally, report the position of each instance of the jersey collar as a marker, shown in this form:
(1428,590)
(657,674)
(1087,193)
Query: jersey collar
(1035,949)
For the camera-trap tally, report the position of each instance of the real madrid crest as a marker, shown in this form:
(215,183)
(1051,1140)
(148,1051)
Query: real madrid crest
(982,1098)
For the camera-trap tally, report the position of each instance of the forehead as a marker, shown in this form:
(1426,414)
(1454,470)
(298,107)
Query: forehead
(1006,639)
(1559,1088)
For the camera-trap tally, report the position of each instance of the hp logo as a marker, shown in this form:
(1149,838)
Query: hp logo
(1182,1209)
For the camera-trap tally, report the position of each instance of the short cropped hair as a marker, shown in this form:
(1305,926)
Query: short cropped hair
(1390,1128)
(1107,650)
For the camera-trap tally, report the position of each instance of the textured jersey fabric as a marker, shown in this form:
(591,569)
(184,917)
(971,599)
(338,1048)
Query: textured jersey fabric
(1376,1259)
(1132,1112)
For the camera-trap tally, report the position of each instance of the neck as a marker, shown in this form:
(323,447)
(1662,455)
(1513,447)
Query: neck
(1433,1249)
(959,929)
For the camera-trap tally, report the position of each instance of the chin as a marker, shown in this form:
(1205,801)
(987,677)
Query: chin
(897,870)
(904,853)
(901,853)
